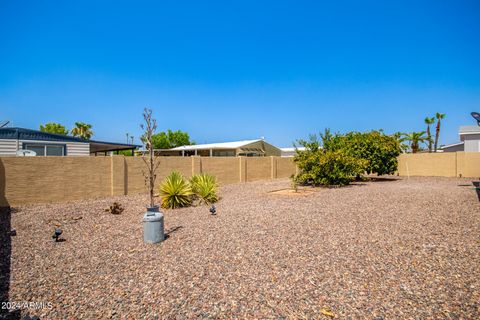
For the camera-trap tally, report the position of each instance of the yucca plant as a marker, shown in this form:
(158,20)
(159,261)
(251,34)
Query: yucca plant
(175,191)
(205,187)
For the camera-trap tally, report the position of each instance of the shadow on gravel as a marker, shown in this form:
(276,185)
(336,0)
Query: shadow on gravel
(5,254)
(172,230)
(381,179)
(477,185)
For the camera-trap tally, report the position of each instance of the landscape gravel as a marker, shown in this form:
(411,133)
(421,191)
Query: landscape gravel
(389,249)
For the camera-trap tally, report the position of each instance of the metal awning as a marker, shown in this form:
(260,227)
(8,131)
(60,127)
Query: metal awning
(102,146)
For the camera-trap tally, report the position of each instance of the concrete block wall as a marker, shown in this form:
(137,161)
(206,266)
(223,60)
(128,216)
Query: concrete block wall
(446,164)
(26,180)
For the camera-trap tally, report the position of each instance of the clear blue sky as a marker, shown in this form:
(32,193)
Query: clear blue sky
(227,70)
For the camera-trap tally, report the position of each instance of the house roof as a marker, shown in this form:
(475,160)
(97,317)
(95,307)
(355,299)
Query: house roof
(95,145)
(221,145)
(28,134)
(452,145)
(290,149)
(469,130)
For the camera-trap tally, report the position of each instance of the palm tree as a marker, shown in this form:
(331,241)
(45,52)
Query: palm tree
(428,122)
(82,130)
(415,138)
(439,117)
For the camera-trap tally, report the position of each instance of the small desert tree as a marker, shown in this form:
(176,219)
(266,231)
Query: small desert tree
(152,161)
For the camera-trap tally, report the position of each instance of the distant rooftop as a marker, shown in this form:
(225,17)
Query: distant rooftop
(469,129)
(220,145)
(29,134)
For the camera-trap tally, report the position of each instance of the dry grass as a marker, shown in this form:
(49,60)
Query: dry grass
(399,249)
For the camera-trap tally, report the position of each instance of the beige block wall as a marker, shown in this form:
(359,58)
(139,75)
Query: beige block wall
(226,169)
(285,167)
(427,164)
(447,164)
(258,168)
(25,180)
(135,168)
(468,164)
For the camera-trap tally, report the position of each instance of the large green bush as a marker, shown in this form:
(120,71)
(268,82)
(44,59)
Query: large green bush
(339,159)
(380,150)
(328,167)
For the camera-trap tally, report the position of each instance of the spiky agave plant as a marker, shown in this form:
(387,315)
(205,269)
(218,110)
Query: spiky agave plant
(205,187)
(175,191)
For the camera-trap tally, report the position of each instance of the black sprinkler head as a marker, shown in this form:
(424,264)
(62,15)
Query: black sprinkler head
(57,234)
(213,210)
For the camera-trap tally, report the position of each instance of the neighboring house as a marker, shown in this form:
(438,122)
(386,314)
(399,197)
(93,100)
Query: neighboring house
(291,152)
(246,148)
(470,140)
(14,140)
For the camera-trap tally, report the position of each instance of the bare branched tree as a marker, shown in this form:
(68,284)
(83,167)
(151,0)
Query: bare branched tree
(152,162)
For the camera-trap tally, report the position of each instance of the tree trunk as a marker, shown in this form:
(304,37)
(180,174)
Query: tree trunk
(429,135)
(437,134)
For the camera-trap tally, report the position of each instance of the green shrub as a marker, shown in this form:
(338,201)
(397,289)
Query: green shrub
(329,168)
(175,191)
(380,150)
(205,187)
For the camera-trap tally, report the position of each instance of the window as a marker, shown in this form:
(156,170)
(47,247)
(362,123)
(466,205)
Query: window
(39,150)
(45,149)
(54,150)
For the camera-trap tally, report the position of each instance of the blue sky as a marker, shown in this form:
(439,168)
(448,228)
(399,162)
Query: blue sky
(228,70)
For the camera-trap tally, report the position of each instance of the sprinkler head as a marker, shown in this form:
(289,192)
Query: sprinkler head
(213,210)
(57,234)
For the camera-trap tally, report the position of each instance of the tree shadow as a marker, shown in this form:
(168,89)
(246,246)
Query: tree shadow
(382,179)
(477,186)
(172,230)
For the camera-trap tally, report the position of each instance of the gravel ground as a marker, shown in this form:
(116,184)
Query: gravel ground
(395,249)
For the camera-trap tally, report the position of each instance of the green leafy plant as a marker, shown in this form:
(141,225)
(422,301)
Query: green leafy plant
(294,182)
(175,191)
(205,187)
(53,127)
(82,130)
(329,168)
(379,149)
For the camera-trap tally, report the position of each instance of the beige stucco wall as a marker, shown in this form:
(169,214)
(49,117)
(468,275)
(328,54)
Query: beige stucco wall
(25,180)
(446,164)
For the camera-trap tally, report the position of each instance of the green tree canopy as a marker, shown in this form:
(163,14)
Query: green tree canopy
(338,159)
(53,127)
(82,130)
(171,139)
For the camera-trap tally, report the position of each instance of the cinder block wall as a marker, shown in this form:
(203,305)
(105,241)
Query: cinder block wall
(446,164)
(25,180)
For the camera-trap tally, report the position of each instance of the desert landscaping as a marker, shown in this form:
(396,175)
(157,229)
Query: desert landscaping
(392,248)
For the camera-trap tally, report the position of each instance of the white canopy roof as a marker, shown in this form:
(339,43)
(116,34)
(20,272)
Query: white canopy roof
(221,145)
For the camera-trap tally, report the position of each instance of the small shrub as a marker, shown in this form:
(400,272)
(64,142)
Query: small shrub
(294,182)
(175,191)
(205,187)
(115,208)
